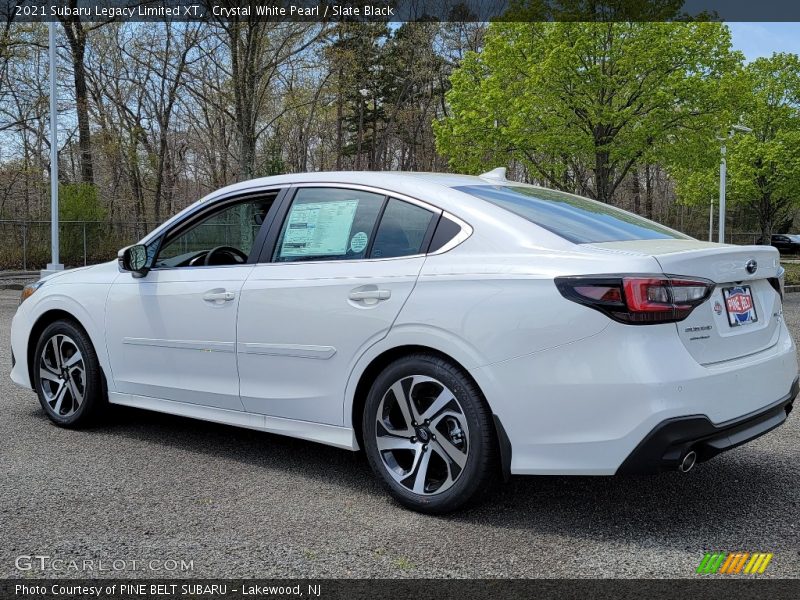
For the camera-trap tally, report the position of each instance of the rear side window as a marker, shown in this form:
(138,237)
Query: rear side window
(574,218)
(402,230)
(328,224)
(446,230)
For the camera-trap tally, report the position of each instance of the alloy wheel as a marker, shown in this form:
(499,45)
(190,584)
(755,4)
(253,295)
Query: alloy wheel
(422,435)
(62,375)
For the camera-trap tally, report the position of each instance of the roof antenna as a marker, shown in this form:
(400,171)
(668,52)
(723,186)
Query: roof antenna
(498,174)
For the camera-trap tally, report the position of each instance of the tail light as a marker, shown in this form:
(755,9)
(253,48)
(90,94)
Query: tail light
(779,283)
(638,299)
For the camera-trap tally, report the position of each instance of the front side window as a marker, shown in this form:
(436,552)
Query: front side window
(579,220)
(328,224)
(224,237)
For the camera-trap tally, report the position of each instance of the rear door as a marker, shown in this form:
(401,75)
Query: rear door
(743,314)
(342,262)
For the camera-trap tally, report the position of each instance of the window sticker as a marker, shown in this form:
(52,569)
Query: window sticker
(359,242)
(319,228)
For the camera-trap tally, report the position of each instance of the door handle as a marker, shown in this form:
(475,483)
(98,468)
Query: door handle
(370,295)
(218,297)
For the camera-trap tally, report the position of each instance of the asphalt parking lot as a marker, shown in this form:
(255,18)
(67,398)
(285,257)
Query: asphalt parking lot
(245,504)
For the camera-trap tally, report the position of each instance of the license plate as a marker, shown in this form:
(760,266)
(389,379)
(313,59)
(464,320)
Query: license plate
(739,304)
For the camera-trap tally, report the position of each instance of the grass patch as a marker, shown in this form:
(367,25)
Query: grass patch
(792,273)
(403,563)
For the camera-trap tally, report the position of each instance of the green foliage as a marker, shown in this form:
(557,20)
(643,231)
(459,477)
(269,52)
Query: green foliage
(79,202)
(764,166)
(580,104)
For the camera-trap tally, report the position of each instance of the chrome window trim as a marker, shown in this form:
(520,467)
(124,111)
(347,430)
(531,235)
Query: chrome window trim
(460,237)
(375,190)
(206,204)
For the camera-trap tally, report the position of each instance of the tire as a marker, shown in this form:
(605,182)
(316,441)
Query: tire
(67,376)
(450,458)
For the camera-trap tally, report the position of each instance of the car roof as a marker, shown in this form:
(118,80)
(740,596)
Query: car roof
(419,185)
(376,178)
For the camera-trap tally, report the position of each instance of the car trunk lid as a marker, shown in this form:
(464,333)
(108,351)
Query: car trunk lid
(743,314)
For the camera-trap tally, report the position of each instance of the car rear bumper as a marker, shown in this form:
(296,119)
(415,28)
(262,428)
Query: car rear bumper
(583,408)
(671,440)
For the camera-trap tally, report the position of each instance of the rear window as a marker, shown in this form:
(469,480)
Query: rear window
(574,218)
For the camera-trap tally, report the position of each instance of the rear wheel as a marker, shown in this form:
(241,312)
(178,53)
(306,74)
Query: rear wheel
(428,434)
(67,375)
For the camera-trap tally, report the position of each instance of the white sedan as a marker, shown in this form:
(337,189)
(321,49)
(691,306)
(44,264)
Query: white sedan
(457,329)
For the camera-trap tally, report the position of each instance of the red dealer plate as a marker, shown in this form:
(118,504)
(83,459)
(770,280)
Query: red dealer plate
(739,304)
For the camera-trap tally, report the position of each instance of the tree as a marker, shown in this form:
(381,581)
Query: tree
(579,105)
(258,50)
(357,61)
(764,166)
(77,32)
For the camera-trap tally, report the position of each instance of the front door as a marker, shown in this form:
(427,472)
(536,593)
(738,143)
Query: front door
(172,334)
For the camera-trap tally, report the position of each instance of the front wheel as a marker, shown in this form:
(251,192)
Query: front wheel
(428,434)
(67,375)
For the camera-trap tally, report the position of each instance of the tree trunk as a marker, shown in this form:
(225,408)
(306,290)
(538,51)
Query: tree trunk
(648,195)
(766,217)
(76,36)
(339,124)
(360,135)
(602,176)
(766,231)
(637,191)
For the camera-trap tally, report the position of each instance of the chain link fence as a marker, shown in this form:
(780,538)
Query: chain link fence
(26,244)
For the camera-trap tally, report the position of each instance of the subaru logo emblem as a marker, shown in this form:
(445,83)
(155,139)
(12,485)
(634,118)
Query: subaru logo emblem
(751,266)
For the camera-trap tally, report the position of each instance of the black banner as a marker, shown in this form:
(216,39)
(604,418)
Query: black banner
(400,10)
(705,587)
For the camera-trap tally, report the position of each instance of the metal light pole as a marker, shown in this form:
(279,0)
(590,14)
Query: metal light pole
(723,175)
(55,265)
(711,222)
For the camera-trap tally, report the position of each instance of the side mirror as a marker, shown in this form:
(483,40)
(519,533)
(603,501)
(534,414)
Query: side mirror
(134,259)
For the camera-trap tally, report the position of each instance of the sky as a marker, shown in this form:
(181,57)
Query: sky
(762,39)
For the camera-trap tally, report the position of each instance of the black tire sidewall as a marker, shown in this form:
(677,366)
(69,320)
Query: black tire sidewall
(93,393)
(478,417)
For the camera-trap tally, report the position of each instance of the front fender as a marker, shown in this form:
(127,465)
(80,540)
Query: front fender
(86,303)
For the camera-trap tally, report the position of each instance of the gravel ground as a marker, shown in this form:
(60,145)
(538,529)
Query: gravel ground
(245,504)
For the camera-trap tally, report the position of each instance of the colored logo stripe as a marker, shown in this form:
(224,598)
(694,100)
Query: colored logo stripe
(711,562)
(758,564)
(732,563)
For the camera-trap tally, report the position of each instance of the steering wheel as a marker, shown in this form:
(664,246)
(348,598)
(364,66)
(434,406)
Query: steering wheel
(229,250)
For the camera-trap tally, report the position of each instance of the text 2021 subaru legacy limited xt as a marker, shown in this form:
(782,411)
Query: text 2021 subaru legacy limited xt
(457,329)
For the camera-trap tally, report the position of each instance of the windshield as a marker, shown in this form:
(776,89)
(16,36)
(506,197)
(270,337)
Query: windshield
(574,218)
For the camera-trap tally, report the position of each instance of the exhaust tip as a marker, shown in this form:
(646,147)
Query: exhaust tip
(688,462)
